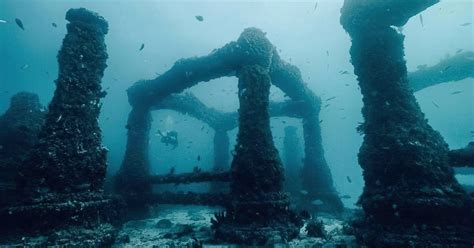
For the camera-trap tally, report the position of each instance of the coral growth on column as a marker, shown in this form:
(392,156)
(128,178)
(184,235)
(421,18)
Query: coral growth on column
(410,191)
(69,155)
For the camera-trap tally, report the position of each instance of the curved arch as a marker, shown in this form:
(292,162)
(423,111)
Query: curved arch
(251,48)
(455,68)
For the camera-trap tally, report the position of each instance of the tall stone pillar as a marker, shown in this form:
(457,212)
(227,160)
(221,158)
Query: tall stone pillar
(221,150)
(69,155)
(410,191)
(259,208)
(316,177)
(221,156)
(131,180)
(19,128)
(292,162)
(62,180)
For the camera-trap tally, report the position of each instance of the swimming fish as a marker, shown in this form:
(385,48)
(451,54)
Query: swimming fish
(142,46)
(315,6)
(421,20)
(3,21)
(317,202)
(54,25)
(330,98)
(436,105)
(447,67)
(458,51)
(343,72)
(348,179)
(25,66)
(456,92)
(199,18)
(466,24)
(321,121)
(199,157)
(19,23)
(346,197)
(327,105)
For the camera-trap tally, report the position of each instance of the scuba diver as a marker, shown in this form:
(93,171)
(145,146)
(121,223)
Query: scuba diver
(169,138)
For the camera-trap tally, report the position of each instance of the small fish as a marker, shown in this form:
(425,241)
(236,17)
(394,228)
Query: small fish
(327,105)
(346,197)
(3,21)
(343,72)
(59,118)
(54,25)
(199,18)
(348,179)
(304,192)
(436,105)
(25,66)
(446,68)
(421,20)
(466,24)
(317,202)
(327,53)
(330,98)
(19,23)
(199,157)
(315,6)
(142,46)
(458,51)
(321,121)
(456,92)
(202,128)
(171,172)
(346,85)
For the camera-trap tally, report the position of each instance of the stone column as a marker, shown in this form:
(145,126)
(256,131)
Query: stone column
(221,157)
(19,128)
(221,150)
(292,162)
(408,180)
(316,175)
(69,156)
(131,180)
(257,174)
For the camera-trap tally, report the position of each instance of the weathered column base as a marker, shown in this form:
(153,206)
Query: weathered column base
(62,219)
(261,220)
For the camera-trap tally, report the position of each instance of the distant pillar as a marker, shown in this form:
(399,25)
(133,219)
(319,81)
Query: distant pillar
(221,150)
(131,180)
(221,156)
(69,155)
(408,179)
(292,162)
(316,175)
(19,129)
(258,203)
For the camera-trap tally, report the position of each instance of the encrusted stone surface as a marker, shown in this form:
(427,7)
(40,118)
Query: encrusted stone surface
(19,128)
(69,155)
(408,179)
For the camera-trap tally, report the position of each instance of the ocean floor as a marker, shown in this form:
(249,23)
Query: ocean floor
(189,226)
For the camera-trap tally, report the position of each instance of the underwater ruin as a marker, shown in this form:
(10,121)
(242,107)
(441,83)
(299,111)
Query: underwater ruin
(267,175)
